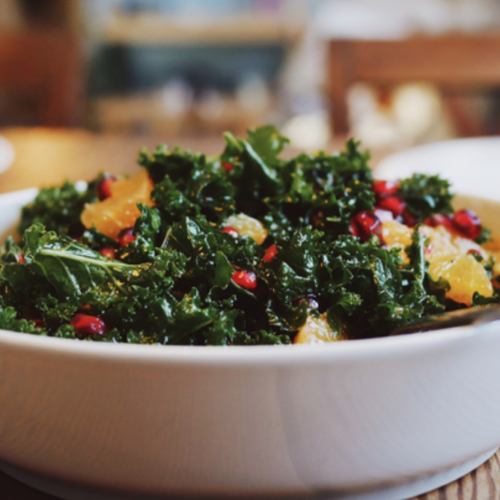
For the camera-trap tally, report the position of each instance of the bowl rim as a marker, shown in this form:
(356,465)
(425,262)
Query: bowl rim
(400,346)
(262,355)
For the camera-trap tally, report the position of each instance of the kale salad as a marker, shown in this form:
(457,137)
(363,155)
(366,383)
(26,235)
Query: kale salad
(244,248)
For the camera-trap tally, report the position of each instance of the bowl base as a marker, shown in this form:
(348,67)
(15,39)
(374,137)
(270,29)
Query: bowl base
(70,491)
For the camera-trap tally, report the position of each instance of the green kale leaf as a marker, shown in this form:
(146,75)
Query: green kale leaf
(426,195)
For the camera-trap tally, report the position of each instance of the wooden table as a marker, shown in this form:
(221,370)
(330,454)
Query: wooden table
(46,157)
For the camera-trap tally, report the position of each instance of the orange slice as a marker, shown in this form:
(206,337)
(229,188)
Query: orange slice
(464,274)
(247,226)
(317,331)
(120,210)
(397,235)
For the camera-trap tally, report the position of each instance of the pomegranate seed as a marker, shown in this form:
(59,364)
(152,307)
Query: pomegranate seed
(393,204)
(88,325)
(104,188)
(311,301)
(231,231)
(315,219)
(353,229)
(108,252)
(270,253)
(227,166)
(439,220)
(383,189)
(467,223)
(38,323)
(409,219)
(126,236)
(20,258)
(473,251)
(364,225)
(245,279)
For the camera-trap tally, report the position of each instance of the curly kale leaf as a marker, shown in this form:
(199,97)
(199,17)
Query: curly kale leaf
(58,209)
(187,185)
(322,190)
(373,290)
(148,229)
(10,251)
(10,321)
(483,237)
(267,142)
(426,195)
(72,268)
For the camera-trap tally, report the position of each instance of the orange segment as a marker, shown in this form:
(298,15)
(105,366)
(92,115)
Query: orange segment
(120,210)
(247,226)
(445,243)
(464,274)
(317,331)
(397,235)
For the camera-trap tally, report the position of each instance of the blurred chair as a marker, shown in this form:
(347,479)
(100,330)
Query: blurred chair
(42,70)
(456,64)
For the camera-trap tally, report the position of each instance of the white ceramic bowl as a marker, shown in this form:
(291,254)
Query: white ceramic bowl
(471,165)
(383,418)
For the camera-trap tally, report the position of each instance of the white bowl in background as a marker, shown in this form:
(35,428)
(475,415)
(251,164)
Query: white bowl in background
(385,418)
(472,165)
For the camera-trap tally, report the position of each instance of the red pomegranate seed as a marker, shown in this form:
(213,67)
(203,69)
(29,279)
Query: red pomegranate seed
(108,252)
(315,219)
(393,204)
(383,189)
(270,253)
(227,166)
(311,301)
(409,219)
(231,231)
(88,325)
(364,225)
(473,251)
(38,323)
(126,236)
(104,188)
(353,229)
(439,220)
(467,223)
(20,258)
(245,279)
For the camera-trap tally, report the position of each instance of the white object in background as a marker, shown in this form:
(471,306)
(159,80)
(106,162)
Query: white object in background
(383,19)
(471,165)
(380,419)
(308,131)
(7,154)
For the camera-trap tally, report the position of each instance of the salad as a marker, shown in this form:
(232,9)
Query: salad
(244,248)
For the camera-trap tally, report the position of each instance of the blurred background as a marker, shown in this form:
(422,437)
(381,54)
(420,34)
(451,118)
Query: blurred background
(393,73)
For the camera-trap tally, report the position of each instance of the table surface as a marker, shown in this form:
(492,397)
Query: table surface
(46,157)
